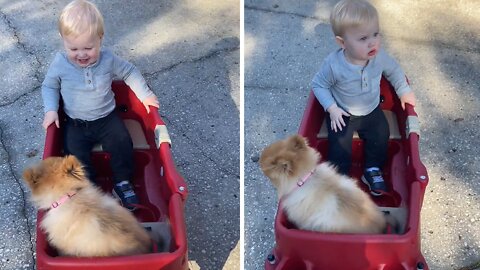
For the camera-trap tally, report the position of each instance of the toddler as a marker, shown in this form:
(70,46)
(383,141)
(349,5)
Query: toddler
(348,88)
(82,77)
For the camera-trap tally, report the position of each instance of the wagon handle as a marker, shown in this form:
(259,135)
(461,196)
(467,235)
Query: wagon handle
(161,135)
(413,134)
(412,124)
(52,136)
(174,179)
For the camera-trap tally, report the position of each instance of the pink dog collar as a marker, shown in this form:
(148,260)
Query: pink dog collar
(302,181)
(63,199)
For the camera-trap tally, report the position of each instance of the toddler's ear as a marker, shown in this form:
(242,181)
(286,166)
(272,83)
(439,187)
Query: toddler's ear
(340,41)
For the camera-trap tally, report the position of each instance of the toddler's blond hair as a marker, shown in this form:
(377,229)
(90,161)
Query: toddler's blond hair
(351,13)
(78,17)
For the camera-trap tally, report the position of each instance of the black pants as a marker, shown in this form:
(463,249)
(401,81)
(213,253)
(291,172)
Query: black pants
(80,136)
(372,129)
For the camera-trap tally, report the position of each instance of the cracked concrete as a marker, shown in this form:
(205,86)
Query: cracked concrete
(20,226)
(438,46)
(189,54)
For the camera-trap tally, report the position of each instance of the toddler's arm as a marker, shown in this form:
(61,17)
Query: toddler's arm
(51,94)
(395,75)
(151,101)
(321,84)
(409,98)
(133,78)
(336,117)
(50,117)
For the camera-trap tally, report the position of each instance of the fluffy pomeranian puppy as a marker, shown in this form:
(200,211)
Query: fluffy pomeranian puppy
(315,196)
(80,220)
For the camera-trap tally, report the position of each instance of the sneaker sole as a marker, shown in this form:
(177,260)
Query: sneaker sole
(364,180)
(115,195)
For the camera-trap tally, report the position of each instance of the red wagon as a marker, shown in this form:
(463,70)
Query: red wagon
(406,178)
(162,192)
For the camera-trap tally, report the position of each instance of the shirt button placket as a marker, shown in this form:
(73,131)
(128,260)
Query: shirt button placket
(364,81)
(88,78)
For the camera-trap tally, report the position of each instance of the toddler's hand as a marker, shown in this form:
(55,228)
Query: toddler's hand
(151,101)
(50,117)
(408,98)
(336,117)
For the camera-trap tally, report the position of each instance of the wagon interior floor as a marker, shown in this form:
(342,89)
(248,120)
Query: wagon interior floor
(148,183)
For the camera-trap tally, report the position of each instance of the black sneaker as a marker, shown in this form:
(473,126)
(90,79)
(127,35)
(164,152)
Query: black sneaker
(374,180)
(124,192)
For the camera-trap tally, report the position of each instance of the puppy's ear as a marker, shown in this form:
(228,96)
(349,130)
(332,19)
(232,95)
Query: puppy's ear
(72,166)
(30,176)
(284,165)
(277,164)
(298,142)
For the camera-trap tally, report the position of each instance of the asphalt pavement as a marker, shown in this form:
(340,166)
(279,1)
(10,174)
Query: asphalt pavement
(437,43)
(189,54)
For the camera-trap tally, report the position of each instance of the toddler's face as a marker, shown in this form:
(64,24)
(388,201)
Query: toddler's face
(84,49)
(361,43)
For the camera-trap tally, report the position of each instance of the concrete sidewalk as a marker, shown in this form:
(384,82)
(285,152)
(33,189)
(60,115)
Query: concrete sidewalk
(189,53)
(437,43)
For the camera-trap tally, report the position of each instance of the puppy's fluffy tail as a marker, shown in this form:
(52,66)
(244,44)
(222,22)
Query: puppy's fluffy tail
(392,226)
(160,234)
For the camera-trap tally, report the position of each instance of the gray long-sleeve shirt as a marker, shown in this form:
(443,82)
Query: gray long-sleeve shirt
(87,92)
(354,88)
